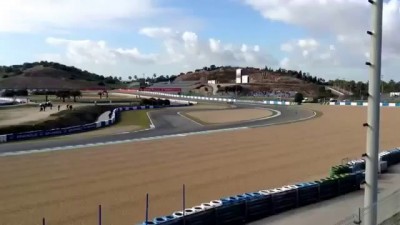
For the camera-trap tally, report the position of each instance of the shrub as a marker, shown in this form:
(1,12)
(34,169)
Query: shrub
(145,101)
(8,93)
(153,101)
(298,98)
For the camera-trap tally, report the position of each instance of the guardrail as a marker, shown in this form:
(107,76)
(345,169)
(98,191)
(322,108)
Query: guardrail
(76,129)
(248,207)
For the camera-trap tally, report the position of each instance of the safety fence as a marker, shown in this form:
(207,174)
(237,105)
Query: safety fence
(248,207)
(388,209)
(202,98)
(80,128)
(388,212)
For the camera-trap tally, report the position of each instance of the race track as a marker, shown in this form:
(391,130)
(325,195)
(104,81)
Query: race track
(167,122)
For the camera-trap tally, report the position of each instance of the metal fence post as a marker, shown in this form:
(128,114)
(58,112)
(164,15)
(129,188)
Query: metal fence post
(184,203)
(147,208)
(100,215)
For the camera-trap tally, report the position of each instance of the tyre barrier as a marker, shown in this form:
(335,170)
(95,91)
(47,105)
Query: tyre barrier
(248,207)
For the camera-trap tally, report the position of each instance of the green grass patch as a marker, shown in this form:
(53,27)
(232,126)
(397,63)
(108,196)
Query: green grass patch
(134,118)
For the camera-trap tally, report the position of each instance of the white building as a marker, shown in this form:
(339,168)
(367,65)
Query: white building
(241,78)
(394,94)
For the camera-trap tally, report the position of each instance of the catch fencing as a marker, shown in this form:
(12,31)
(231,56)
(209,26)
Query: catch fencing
(388,211)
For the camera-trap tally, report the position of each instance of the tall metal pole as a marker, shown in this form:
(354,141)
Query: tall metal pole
(372,156)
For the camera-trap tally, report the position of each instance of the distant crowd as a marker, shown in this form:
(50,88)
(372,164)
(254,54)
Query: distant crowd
(44,105)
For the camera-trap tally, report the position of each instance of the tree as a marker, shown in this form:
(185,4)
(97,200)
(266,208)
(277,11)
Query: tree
(213,67)
(298,98)
(63,94)
(136,77)
(130,77)
(8,93)
(76,93)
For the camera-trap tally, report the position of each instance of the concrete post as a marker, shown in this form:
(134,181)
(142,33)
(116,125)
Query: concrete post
(372,156)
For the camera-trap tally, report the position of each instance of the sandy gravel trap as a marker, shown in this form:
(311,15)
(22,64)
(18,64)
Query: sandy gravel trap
(67,186)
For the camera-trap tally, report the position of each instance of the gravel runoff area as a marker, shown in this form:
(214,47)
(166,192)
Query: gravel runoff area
(18,115)
(66,186)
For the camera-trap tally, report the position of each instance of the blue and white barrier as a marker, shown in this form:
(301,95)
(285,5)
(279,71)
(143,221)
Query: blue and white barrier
(383,104)
(3,138)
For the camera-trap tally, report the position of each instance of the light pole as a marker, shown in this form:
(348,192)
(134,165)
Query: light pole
(372,155)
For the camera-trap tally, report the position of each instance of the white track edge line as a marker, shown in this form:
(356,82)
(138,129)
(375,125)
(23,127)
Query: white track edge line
(180,114)
(116,142)
(151,121)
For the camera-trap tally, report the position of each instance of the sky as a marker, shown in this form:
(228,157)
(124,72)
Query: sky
(326,38)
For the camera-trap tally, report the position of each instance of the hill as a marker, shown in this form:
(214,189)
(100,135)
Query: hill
(50,75)
(260,79)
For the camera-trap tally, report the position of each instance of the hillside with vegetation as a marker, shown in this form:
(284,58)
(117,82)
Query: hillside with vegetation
(262,80)
(51,75)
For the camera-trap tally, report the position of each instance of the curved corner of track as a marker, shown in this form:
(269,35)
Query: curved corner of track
(165,127)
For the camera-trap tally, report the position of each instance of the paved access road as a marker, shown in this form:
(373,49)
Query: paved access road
(344,210)
(167,122)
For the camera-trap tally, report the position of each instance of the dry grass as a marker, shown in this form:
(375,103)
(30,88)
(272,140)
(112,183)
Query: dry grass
(66,187)
(19,115)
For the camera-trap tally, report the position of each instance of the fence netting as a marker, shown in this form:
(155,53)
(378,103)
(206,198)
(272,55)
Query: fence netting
(388,212)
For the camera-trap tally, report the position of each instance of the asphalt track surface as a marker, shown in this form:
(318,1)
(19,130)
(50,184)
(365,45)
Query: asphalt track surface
(167,121)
